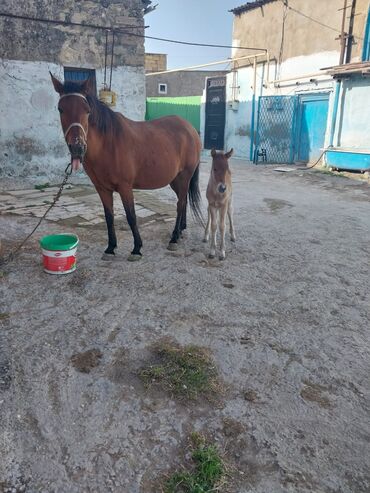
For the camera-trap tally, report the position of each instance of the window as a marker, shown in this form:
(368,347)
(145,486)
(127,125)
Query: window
(162,88)
(366,46)
(79,74)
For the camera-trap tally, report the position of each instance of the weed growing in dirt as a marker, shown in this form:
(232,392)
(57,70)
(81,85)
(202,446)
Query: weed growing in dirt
(42,186)
(207,475)
(185,372)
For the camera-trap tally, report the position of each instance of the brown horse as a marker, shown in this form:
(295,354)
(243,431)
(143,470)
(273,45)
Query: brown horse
(120,155)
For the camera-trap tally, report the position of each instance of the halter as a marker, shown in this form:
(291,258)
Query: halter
(75,124)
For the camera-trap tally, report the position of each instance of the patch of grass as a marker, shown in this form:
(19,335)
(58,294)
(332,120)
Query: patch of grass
(208,472)
(185,372)
(4,316)
(42,186)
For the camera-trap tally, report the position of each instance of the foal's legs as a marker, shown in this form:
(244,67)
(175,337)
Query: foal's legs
(127,197)
(107,200)
(231,220)
(223,212)
(213,214)
(206,231)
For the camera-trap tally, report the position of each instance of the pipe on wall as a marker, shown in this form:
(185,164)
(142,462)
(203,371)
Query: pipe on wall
(335,113)
(253,108)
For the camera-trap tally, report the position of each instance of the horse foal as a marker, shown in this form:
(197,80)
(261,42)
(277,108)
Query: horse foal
(219,196)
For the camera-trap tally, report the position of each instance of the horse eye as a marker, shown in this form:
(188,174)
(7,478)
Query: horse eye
(60,110)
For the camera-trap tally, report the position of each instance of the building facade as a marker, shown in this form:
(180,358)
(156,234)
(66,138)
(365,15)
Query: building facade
(282,102)
(79,46)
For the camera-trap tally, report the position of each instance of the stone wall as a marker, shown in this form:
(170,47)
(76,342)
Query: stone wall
(155,62)
(31,138)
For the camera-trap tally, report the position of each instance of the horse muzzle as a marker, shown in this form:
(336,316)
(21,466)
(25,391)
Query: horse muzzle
(78,152)
(222,188)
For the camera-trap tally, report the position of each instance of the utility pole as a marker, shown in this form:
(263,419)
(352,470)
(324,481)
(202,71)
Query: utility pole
(343,35)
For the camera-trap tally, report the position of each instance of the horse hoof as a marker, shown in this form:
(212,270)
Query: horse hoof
(108,256)
(221,257)
(233,239)
(211,255)
(134,257)
(172,247)
(205,240)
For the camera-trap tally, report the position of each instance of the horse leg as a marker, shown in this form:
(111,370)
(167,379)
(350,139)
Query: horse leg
(175,185)
(223,212)
(180,185)
(107,200)
(206,232)
(213,214)
(127,198)
(231,220)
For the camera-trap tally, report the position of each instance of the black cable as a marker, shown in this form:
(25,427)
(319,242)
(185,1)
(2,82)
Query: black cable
(105,59)
(111,63)
(122,30)
(317,21)
(62,23)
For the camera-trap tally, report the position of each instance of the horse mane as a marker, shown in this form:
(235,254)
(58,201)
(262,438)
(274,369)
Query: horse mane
(106,120)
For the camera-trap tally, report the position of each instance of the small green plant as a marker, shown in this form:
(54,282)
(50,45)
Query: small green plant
(42,186)
(185,372)
(208,472)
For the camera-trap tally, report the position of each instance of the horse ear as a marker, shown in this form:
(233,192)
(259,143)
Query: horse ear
(213,152)
(58,86)
(88,86)
(230,153)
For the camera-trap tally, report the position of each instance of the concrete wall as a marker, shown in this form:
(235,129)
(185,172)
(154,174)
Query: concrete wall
(183,83)
(31,139)
(262,28)
(353,122)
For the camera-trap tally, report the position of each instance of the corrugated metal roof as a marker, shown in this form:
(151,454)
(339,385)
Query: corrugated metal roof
(250,6)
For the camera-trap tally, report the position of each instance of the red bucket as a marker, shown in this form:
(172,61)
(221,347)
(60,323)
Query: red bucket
(59,253)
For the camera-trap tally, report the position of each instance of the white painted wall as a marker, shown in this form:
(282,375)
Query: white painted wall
(353,121)
(31,138)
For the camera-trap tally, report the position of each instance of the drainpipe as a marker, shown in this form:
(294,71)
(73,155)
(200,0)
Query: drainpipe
(251,151)
(335,113)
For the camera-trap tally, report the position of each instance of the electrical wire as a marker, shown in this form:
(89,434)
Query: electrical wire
(122,30)
(317,21)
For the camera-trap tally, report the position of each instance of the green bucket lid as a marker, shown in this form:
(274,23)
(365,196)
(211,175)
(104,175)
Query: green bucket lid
(59,242)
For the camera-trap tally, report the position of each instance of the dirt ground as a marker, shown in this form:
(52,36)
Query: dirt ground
(285,316)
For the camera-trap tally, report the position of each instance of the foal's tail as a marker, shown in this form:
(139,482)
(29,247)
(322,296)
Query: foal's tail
(195,198)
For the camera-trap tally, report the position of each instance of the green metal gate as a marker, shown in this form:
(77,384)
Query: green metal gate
(188,107)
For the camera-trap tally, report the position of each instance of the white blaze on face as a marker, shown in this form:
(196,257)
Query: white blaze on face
(75,164)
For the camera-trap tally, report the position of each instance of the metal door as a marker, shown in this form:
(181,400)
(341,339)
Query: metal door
(276,129)
(215,113)
(312,120)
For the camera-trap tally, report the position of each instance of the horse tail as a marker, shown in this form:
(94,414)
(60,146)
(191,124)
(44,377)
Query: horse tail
(195,198)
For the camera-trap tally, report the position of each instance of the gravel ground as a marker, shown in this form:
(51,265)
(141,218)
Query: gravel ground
(285,316)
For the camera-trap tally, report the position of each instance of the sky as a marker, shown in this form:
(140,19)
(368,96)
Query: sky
(200,21)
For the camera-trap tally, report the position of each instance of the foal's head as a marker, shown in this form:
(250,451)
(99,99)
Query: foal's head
(74,112)
(220,169)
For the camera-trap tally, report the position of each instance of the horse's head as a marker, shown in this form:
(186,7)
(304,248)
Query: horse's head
(74,112)
(220,169)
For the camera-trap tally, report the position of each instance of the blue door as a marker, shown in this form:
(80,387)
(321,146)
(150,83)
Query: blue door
(312,119)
